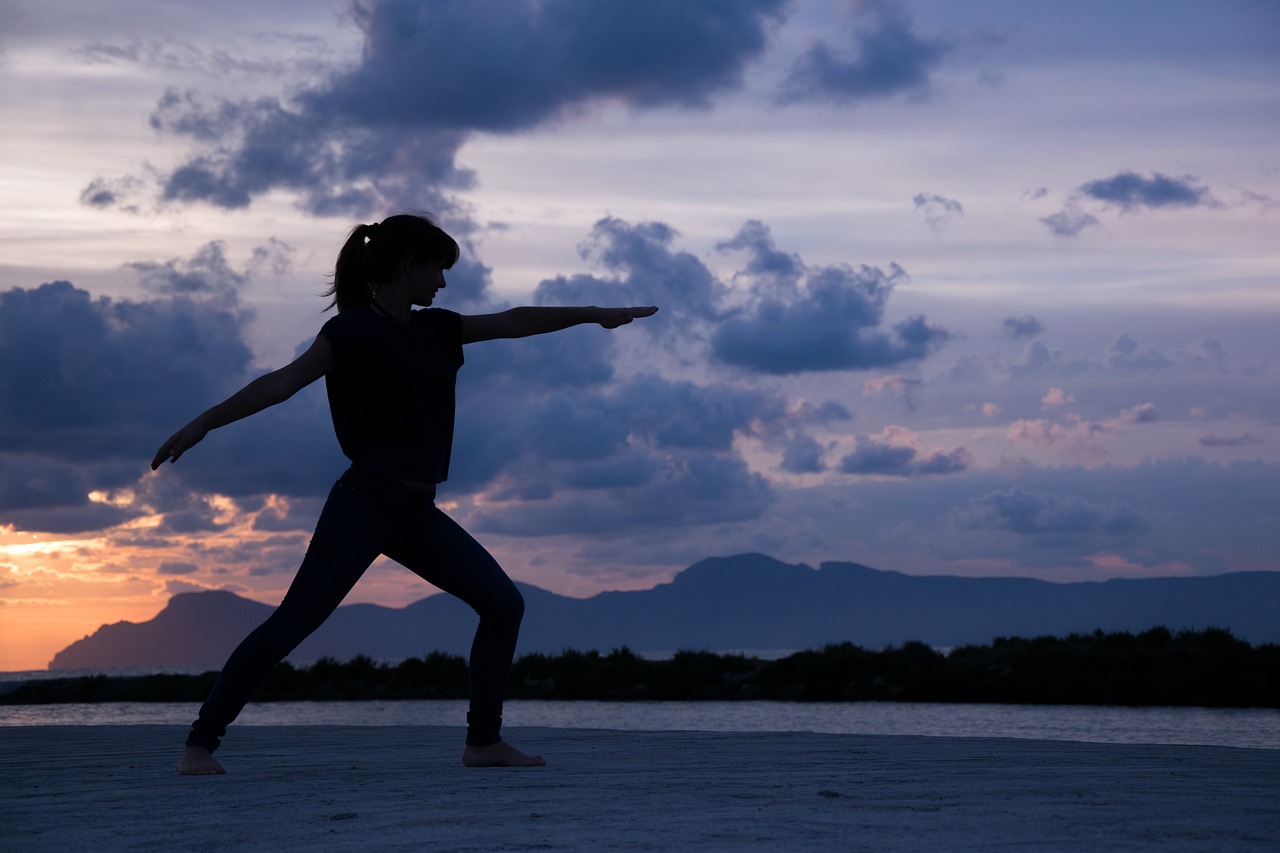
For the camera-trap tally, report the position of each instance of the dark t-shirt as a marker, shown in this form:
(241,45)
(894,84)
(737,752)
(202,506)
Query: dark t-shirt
(391,390)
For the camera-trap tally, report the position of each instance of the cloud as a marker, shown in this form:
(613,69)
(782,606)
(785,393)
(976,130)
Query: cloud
(81,378)
(1129,190)
(1124,356)
(765,261)
(645,270)
(1143,413)
(802,454)
(279,55)
(1056,397)
(894,454)
(582,417)
(385,133)
(1027,513)
(1069,221)
(1026,326)
(690,491)
(781,317)
(894,384)
(1247,439)
(207,272)
(124,193)
(938,210)
(818,319)
(885,58)
(90,387)
(535,441)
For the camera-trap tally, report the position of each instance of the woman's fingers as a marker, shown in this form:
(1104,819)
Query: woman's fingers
(621,316)
(164,451)
(179,443)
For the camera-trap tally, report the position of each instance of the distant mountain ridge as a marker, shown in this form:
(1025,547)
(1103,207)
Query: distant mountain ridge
(746,602)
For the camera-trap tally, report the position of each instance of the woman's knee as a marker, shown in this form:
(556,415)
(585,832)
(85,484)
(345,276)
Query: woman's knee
(505,607)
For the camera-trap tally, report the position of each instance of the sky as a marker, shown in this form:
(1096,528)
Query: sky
(946,286)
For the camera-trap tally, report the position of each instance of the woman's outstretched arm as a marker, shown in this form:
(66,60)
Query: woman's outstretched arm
(267,390)
(530,320)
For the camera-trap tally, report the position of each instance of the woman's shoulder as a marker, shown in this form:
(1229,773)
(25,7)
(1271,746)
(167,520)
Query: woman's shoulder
(346,325)
(435,315)
(437,320)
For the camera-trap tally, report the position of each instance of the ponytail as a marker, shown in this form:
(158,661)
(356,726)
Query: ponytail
(372,254)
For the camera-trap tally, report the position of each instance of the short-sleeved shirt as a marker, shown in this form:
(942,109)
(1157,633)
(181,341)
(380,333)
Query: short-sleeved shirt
(391,390)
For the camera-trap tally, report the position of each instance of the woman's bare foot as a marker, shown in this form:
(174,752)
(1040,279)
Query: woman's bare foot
(198,761)
(500,754)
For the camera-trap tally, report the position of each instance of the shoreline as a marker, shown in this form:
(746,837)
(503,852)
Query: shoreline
(1243,728)
(401,787)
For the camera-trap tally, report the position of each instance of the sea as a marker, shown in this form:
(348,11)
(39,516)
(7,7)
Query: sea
(1247,728)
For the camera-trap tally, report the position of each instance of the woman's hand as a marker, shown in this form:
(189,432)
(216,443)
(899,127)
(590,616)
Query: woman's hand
(180,442)
(612,318)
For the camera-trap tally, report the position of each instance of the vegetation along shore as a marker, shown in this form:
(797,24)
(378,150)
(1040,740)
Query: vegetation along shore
(1208,668)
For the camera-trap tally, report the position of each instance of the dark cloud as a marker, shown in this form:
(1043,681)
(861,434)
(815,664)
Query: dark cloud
(122,193)
(1129,190)
(90,387)
(831,411)
(765,261)
(206,272)
(1247,439)
(1069,221)
(802,454)
(1040,514)
(84,517)
(32,481)
(884,57)
(1124,356)
(645,269)
(796,318)
(829,321)
(691,490)
(82,377)
(38,492)
(519,437)
(385,133)
(875,456)
(509,65)
(1026,326)
(938,210)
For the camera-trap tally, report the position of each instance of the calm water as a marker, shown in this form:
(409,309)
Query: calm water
(1250,728)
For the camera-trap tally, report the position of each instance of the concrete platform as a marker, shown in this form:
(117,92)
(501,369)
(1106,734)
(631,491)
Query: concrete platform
(94,789)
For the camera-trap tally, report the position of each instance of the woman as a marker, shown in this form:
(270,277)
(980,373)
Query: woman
(390,373)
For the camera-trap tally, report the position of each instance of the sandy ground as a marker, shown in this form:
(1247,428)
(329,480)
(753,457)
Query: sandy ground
(92,789)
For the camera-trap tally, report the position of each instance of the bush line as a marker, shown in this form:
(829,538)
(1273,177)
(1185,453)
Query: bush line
(1208,668)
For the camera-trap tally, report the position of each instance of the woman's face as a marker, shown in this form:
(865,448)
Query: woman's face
(424,281)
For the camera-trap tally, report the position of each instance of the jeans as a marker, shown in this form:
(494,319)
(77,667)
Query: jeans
(366,516)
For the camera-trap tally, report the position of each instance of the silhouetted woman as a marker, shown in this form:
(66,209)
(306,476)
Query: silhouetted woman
(390,373)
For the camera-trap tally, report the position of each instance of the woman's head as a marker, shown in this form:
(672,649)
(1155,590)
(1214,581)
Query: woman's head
(374,254)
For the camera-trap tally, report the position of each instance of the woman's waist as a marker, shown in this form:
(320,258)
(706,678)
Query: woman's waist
(391,481)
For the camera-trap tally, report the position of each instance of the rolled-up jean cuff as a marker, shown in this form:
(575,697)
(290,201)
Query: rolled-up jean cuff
(482,729)
(203,741)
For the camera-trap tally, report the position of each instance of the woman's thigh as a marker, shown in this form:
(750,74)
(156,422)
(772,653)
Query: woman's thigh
(441,552)
(349,536)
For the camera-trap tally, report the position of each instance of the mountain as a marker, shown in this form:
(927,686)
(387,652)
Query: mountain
(748,602)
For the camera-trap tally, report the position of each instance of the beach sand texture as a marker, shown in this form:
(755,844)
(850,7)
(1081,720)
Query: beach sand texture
(397,788)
